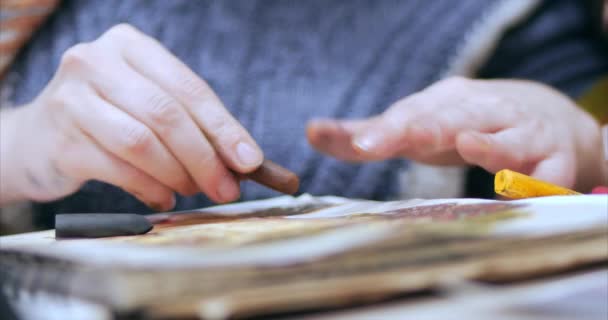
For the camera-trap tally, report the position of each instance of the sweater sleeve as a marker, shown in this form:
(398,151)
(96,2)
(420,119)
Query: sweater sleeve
(19,19)
(557,45)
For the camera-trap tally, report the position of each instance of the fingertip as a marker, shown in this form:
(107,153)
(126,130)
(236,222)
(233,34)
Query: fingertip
(249,156)
(190,190)
(331,137)
(161,206)
(558,169)
(171,202)
(314,131)
(228,190)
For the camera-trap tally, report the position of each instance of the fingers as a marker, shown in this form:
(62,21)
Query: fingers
(387,135)
(559,168)
(458,121)
(515,148)
(91,162)
(169,122)
(189,148)
(522,149)
(233,143)
(129,140)
(427,123)
(335,138)
(424,126)
(158,133)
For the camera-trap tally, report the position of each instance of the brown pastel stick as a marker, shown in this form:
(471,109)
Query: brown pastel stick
(275,177)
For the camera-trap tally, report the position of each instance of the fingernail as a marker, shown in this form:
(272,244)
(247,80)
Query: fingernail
(227,190)
(369,141)
(160,207)
(248,155)
(155,206)
(172,203)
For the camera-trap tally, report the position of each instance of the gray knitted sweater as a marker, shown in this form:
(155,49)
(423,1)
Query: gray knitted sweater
(278,63)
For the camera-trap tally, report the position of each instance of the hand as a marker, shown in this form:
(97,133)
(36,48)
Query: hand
(498,124)
(122,109)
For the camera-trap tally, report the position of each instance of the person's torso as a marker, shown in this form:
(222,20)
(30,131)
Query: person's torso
(275,64)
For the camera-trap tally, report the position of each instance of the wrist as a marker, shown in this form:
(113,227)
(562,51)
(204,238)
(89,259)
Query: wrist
(13,173)
(10,188)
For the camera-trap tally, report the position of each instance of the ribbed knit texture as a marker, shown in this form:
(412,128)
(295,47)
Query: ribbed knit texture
(277,64)
(19,19)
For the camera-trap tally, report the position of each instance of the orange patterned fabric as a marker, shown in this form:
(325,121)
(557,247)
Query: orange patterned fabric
(19,19)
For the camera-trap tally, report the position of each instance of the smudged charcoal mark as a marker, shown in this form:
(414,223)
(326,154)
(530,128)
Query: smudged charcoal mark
(451,211)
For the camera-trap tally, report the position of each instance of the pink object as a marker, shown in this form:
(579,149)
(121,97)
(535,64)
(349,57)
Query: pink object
(600,190)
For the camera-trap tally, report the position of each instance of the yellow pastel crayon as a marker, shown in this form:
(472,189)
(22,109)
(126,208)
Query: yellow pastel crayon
(515,185)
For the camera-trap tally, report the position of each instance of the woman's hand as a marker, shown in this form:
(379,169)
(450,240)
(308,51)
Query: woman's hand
(122,109)
(497,124)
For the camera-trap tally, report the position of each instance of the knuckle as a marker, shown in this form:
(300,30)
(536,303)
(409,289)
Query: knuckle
(121,34)
(483,101)
(210,160)
(137,138)
(492,100)
(57,100)
(163,110)
(63,101)
(418,99)
(411,105)
(224,129)
(77,56)
(194,87)
(122,30)
(456,82)
(537,126)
